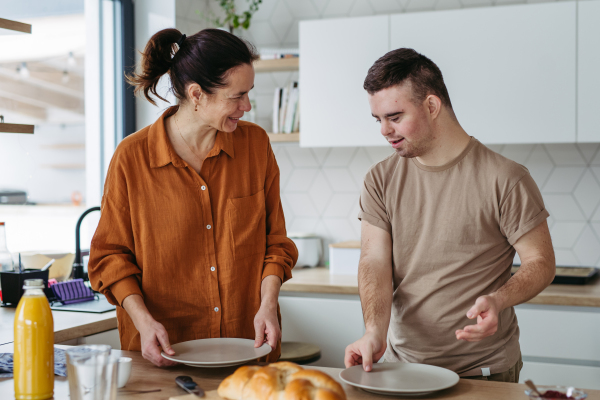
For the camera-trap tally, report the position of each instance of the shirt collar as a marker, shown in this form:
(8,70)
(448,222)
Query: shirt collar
(162,152)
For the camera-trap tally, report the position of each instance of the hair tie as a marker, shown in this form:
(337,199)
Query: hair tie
(181,40)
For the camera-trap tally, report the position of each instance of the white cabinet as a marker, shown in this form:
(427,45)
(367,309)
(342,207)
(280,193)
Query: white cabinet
(588,65)
(330,323)
(510,71)
(560,345)
(336,55)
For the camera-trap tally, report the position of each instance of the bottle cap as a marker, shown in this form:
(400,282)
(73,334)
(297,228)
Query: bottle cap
(33,284)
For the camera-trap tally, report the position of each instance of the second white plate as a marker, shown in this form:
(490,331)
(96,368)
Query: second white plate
(400,378)
(217,352)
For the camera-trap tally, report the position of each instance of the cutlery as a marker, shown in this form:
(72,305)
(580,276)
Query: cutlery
(187,384)
(133,391)
(533,387)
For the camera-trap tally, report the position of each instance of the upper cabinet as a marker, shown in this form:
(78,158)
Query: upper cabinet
(511,71)
(588,68)
(335,57)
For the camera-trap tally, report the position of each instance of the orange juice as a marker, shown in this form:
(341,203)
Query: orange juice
(34,344)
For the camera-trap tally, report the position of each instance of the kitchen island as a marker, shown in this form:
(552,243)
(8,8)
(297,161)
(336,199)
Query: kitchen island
(145,376)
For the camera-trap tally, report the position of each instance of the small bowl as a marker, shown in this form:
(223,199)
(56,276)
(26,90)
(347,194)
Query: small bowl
(576,394)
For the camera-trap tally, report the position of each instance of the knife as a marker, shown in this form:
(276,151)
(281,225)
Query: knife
(187,384)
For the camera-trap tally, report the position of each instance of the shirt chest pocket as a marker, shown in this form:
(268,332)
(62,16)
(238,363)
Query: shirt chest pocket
(247,225)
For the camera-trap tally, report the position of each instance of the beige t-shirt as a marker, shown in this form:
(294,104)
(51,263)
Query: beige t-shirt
(452,228)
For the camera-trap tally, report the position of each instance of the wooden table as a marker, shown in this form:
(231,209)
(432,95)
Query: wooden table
(146,376)
(67,324)
(318,280)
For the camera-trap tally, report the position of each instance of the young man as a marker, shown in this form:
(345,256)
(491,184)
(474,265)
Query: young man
(441,221)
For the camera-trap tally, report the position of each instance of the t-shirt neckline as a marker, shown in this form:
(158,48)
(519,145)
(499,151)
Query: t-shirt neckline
(449,164)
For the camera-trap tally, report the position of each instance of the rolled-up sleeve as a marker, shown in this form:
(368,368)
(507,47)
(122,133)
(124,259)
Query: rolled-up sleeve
(112,268)
(372,204)
(281,253)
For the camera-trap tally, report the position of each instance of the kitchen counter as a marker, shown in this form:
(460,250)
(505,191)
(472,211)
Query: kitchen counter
(67,324)
(145,376)
(318,280)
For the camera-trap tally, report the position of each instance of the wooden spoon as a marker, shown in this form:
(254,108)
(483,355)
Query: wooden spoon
(533,387)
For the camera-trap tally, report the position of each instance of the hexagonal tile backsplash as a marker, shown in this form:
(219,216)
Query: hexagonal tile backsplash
(320,186)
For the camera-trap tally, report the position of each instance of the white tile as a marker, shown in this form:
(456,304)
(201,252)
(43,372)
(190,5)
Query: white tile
(320,5)
(596,216)
(263,34)
(498,148)
(448,5)
(420,5)
(386,6)
(292,39)
(337,8)
(301,205)
(550,220)
(321,230)
(265,11)
(359,166)
(565,234)
(563,207)
(588,150)
(587,248)
(563,180)
(320,192)
(302,9)
(539,165)
(288,213)
(301,179)
(340,180)
(377,154)
(517,152)
(565,154)
(476,3)
(282,78)
(587,193)
(565,258)
(596,159)
(341,205)
(340,229)
(303,225)
(353,218)
(263,110)
(596,172)
(281,20)
(340,156)
(264,84)
(284,164)
(360,8)
(321,154)
(301,157)
(517,259)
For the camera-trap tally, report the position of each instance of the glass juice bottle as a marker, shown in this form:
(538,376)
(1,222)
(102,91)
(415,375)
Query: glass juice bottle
(34,344)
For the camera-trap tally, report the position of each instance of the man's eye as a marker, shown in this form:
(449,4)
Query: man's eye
(378,121)
(395,119)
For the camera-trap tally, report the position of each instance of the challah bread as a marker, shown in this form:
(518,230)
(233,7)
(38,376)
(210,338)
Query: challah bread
(280,381)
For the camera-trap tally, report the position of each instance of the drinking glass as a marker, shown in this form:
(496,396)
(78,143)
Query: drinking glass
(92,373)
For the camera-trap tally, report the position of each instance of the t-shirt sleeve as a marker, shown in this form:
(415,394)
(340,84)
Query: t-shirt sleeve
(372,205)
(522,209)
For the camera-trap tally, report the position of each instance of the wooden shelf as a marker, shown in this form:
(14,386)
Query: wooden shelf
(13,26)
(284,137)
(278,64)
(16,128)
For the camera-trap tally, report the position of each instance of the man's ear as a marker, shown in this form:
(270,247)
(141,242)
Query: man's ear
(434,105)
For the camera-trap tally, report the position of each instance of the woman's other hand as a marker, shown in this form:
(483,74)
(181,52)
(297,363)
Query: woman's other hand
(153,334)
(266,326)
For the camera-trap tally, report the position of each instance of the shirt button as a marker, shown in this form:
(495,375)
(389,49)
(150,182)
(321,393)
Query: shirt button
(203,187)
(208,226)
(216,309)
(212,268)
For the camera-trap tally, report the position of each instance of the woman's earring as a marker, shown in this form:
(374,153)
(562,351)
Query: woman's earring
(196,108)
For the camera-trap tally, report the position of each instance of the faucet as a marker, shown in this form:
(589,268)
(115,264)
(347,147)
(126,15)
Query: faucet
(78,264)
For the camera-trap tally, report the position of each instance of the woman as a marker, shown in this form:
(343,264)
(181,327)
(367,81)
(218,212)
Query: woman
(191,242)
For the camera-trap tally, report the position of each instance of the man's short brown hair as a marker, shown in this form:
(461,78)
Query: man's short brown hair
(402,65)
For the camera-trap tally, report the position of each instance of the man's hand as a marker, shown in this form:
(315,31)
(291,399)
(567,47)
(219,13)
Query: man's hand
(486,311)
(266,326)
(153,336)
(366,350)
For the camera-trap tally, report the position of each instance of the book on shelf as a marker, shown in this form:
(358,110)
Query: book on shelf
(286,109)
(272,54)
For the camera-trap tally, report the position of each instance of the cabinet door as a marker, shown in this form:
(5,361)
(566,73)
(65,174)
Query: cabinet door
(588,78)
(510,70)
(336,55)
(331,324)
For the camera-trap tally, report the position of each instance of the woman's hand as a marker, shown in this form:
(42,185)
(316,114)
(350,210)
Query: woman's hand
(153,334)
(266,326)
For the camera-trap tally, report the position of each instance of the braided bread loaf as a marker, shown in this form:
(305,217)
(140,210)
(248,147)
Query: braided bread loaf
(280,381)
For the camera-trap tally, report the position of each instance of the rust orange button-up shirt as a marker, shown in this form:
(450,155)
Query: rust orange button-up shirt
(195,246)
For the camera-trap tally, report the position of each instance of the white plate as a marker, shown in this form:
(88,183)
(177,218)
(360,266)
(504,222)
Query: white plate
(400,378)
(217,352)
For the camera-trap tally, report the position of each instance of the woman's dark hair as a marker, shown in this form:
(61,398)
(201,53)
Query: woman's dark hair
(204,58)
(402,65)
